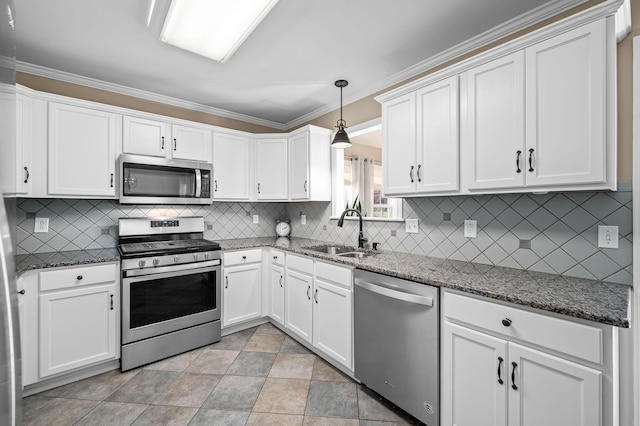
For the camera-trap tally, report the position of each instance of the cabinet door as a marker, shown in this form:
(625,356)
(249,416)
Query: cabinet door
(566,108)
(472,393)
(548,390)
(332,323)
(27,286)
(298,308)
(77,328)
(242,297)
(230,167)
(399,145)
(494,124)
(190,143)
(144,137)
(299,166)
(82,151)
(276,283)
(15,163)
(437,146)
(271,169)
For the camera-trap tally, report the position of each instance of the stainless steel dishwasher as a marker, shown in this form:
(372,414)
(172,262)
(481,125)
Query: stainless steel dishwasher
(396,342)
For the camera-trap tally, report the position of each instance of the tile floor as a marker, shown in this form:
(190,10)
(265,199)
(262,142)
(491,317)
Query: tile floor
(258,376)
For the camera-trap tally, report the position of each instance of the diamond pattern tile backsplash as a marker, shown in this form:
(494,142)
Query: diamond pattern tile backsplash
(554,232)
(88,224)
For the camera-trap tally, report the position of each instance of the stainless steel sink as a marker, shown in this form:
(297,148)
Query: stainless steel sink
(331,249)
(342,251)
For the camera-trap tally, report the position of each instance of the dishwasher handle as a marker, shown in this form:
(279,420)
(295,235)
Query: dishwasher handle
(398,295)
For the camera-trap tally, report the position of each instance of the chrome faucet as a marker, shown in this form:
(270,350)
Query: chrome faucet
(361,238)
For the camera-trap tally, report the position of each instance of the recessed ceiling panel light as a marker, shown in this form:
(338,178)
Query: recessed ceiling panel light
(213,28)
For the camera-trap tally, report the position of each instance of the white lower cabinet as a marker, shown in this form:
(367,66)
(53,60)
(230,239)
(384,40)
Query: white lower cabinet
(242,286)
(319,306)
(276,286)
(69,319)
(492,375)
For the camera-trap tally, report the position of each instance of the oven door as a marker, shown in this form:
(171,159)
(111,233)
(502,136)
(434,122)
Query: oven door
(172,298)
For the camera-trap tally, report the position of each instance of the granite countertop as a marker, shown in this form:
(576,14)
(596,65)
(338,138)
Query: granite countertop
(597,301)
(28,262)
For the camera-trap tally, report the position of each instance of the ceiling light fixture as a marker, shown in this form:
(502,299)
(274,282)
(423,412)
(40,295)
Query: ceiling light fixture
(341,140)
(211,28)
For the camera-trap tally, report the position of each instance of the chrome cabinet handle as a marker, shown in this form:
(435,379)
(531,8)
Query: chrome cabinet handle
(518,153)
(111,308)
(506,322)
(22,291)
(308,296)
(175,144)
(419,175)
(79,277)
(530,159)
(513,376)
(411,174)
(500,361)
(281,281)
(305,186)
(111,180)
(315,296)
(258,188)
(226,280)
(26,172)
(162,146)
(215,186)
(275,257)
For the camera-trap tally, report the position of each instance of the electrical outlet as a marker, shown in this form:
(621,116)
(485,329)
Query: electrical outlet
(41,224)
(303,219)
(608,237)
(256,219)
(470,228)
(411,226)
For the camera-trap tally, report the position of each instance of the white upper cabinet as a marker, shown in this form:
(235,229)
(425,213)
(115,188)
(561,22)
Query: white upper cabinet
(420,134)
(535,114)
(271,169)
(15,165)
(145,136)
(82,151)
(310,164)
(494,125)
(566,138)
(230,167)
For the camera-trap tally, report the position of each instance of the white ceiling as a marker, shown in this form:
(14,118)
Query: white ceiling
(284,73)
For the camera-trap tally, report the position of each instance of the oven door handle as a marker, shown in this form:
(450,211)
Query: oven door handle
(183,269)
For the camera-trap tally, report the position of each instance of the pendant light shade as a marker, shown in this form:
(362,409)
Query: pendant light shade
(341,140)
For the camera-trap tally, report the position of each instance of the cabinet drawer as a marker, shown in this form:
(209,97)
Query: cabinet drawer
(302,264)
(568,337)
(277,257)
(241,257)
(74,277)
(334,273)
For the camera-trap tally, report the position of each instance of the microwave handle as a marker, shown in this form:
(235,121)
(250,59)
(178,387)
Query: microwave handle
(198,183)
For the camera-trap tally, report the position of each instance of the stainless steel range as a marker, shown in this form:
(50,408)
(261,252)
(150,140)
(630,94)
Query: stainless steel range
(171,280)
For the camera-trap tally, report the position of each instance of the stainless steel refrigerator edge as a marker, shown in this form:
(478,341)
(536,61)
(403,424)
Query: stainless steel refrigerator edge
(10,362)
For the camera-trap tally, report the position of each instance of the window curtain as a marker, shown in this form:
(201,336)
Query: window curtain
(362,183)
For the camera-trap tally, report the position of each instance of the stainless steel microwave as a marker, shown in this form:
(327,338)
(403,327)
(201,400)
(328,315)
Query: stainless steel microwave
(149,180)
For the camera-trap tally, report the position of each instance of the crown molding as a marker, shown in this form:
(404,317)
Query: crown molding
(142,94)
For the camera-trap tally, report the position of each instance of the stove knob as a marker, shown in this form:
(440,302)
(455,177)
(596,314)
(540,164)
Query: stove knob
(195,256)
(156,262)
(141,263)
(176,259)
(206,255)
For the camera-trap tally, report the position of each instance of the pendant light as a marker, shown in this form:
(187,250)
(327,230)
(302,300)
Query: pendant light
(341,140)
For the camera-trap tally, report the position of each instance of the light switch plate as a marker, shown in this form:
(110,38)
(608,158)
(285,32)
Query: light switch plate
(470,228)
(256,218)
(303,219)
(411,226)
(41,224)
(608,236)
